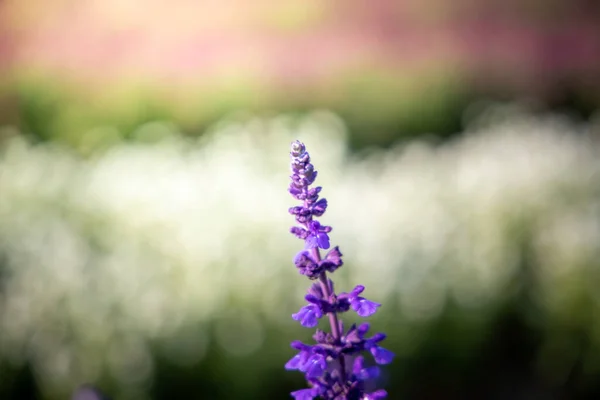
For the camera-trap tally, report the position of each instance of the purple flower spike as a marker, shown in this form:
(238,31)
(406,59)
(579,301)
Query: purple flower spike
(326,364)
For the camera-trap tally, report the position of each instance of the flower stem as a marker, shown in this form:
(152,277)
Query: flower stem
(333,319)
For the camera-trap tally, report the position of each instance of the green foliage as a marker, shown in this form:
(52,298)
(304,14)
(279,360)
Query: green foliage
(378,110)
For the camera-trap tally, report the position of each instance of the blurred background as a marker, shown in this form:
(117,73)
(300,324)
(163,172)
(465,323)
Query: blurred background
(143,192)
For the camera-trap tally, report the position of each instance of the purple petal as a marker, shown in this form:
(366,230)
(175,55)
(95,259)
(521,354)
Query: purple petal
(294,191)
(296,362)
(358,289)
(319,207)
(320,336)
(314,226)
(377,395)
(323,240)
(376,338)
(314,192)
(300,233)
(311,298)
(314,366)
(308,316)
(300,257)
(304,260)
(381,355)
(364,307)
(358,365)
(298,345)
(368,373)
(334,256)
(363,329)
(315,290)
(311,242)
(295,210)
(352,335)
(307,171)
(303,394)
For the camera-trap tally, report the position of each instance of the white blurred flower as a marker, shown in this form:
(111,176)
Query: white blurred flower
(143,241)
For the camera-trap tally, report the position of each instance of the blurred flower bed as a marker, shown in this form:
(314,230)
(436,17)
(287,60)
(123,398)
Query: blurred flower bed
(164,264)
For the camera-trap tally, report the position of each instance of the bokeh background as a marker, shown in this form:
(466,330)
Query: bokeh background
(143,203)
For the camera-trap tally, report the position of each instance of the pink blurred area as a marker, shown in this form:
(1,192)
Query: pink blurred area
(526,44)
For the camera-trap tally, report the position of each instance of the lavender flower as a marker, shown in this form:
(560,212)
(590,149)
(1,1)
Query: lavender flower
(333,367)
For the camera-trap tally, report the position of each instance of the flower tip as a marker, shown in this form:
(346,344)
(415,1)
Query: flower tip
(297,148)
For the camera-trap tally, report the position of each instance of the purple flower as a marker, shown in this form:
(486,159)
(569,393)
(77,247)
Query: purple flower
(363,373)
(300,233)
(297,361)
(314,366)
(326,364)
(319,208)
(307,265)
(310,359)
(362,306)
(333,260)
(381,355)
(317,236)
(308,315)
(356,335)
